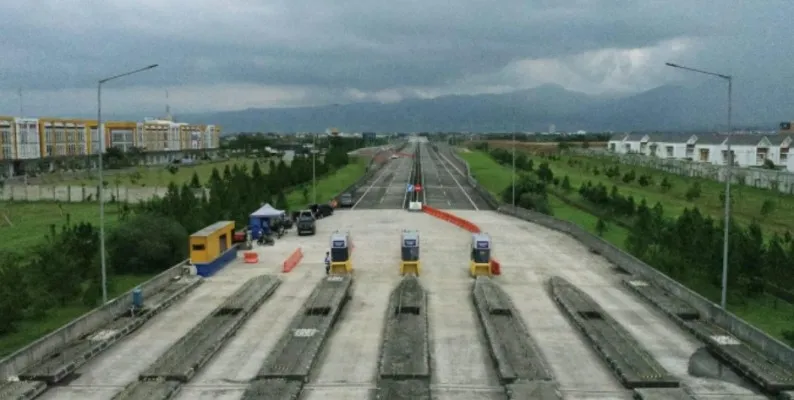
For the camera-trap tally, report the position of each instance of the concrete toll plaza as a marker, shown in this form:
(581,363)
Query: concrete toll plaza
(558,322)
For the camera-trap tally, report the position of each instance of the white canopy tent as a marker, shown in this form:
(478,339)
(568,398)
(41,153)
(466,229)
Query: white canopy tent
(267,211)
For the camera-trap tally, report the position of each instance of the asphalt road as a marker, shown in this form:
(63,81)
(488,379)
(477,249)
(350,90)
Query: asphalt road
(387,189)
(445,187)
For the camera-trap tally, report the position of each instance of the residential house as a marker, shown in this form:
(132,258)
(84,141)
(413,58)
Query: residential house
(779,152)
(748,150)
(8,148)
(28,141)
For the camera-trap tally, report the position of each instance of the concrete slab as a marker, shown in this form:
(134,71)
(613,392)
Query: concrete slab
(459,354)
(122,363)
(671,346)
(530,254)
(341,392)
(227,392)
(468,393)
(351,353)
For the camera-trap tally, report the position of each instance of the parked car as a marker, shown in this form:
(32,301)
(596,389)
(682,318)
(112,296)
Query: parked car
(306,224)
(346,200)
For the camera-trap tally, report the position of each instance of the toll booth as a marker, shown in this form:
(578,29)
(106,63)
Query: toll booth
(341,253)
(211,248)
(481,246)
(409,253)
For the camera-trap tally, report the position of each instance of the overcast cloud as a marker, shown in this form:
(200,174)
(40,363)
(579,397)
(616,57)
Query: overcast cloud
(236,54)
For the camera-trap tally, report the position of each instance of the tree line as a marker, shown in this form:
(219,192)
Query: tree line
(688,247)
(149,237)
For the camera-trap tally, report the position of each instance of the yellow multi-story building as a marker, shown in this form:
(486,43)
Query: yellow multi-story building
(63,137)
(32,138)
(121,135)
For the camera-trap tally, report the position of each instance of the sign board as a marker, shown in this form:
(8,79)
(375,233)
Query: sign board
(409,188)
(482,245)
(409,243)
(339,244)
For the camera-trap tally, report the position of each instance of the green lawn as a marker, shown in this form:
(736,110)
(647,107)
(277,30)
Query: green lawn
(768,314)
(328,187)
(746,205)
(149,176)
(31,221)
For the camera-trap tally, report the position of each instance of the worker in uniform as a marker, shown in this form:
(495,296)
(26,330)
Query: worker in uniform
(327,262)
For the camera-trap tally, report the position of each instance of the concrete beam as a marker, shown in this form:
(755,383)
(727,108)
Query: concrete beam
(52,343)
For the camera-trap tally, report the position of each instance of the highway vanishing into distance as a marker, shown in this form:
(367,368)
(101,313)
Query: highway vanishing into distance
(277,328)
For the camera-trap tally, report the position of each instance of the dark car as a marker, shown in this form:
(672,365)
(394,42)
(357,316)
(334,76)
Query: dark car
(306,225)
(325,210)
(346,200)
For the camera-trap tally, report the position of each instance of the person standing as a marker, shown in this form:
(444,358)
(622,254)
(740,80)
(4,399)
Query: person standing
(327,262)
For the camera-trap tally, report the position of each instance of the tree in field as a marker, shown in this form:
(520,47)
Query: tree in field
(148,243)
(601,227)
(194,181)
(566,184)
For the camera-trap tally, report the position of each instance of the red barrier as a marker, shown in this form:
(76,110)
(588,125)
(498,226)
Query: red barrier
(496,267)
(451,218)
(293,260)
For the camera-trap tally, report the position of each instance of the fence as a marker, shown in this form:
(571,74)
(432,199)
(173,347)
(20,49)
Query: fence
(78,194)
(770,346)
(782,181)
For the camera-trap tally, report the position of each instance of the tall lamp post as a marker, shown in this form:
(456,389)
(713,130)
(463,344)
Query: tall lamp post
(514,166)
(101,196)
(729,167)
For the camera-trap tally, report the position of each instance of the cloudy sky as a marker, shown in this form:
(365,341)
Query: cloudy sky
(235,54)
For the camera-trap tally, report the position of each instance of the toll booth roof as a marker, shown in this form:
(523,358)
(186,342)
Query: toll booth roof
(411,235)
(481,236)
(339,236)
(212,228)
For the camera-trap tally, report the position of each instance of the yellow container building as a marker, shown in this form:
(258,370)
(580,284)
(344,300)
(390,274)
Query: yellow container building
(211,248)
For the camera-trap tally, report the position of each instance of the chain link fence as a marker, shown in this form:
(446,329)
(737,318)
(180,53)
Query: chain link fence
(79,194)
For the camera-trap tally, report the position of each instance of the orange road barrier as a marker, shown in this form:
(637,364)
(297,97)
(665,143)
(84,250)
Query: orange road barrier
(453,219)
(293,260)
(496,267)
(251,257)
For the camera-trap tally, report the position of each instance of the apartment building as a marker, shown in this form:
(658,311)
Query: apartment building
(7,142)
(121,135)
(62,137)
(33,138)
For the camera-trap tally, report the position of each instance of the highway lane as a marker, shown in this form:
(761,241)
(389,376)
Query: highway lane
(387,189)
(530,254)
(444,187)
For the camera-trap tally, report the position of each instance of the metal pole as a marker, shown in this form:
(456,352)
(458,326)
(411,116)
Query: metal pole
(514,166)
(101,193)
(314,168)
(728,177)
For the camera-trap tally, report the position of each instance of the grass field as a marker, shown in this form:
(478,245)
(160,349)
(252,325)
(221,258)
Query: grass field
(329,187)
(150,176)
(768,314)
(496,178)
(746,205)
(31,221)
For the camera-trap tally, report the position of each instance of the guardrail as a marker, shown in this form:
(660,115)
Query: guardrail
(24,358)
(742,330)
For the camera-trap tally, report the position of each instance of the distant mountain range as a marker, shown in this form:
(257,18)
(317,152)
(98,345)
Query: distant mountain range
(662,108)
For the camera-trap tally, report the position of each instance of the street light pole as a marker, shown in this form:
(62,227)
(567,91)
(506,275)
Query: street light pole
(728,177)
(514,165)
(101,193)
(314,168)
